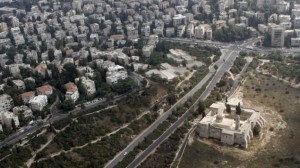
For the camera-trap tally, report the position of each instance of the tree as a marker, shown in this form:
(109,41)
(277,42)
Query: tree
(17,100)
(51,55)
(124,86)
(67,105)
(171,98)
(11,37)
(11,52)
(98,78)
(267,40)
(25,72)
(82,106)
(81,89)
(82,62)
(228,108)
(13,124)
(238,109)
(69,73)
(201,108)
(54,71)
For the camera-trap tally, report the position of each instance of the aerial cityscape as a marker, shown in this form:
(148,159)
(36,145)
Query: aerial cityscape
(149,83)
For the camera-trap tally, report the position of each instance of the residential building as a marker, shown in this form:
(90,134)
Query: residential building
(277,37)
(179,20)
(23,112)
(14,69)
(297,22)
(19,84)
(88,84)
(262,28)
(199,32)
(72,92)
(113,77)
(38,102)
(295,42)
(147,50)
(6,118)
(6,102)
(190,30)
(170,32)
(44,90)
(180,30)
(27,96)
(208,34)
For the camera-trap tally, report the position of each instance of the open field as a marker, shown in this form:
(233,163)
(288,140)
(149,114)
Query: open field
(278,144)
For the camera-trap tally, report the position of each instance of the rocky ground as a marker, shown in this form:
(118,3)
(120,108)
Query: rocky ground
(278,143)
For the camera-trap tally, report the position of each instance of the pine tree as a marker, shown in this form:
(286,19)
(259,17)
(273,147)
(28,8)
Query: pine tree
(238,109)
(13,124)
(228,108)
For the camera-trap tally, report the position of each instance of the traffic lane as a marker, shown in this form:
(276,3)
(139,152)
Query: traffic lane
(158,141)
(130,147)
(152,127)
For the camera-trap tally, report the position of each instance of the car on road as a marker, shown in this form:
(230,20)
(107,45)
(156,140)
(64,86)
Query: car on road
(125,153)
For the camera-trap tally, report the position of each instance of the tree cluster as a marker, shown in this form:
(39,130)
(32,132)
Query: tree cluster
(231,34)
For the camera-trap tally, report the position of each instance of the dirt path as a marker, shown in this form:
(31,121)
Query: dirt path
(185,79)
(50,139)
(31,160)
(265,72)
(91,142)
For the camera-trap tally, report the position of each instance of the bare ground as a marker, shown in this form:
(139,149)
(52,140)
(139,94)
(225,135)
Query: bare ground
(278,144)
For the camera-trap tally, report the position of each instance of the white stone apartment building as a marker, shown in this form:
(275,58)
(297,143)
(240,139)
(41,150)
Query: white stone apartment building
(180,30)
(72,92)
(297,22)
(179,20)
(6,102)
(114,76)
(22,111)
(277,37)
(88,84)
(190,30)
(295,42)
(6,118)
(38,102)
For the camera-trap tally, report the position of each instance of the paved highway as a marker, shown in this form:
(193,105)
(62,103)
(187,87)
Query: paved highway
(226,65)
(223,67)
(157,122)
(246,45)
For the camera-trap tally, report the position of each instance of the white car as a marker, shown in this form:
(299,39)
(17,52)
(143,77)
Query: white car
(125,153)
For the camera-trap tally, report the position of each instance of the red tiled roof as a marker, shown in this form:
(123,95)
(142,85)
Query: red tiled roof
(44,89)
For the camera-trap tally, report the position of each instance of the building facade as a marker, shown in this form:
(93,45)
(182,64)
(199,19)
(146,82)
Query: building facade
(6,102)
(230,128)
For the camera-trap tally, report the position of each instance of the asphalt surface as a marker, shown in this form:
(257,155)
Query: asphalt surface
(161,119)
(55,116)
(246,45)
(224,67)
